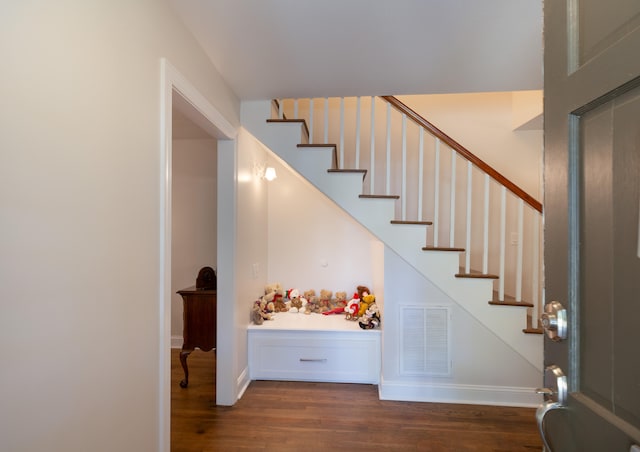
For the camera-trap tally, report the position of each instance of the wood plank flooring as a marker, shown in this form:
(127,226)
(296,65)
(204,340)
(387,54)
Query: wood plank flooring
(292,416)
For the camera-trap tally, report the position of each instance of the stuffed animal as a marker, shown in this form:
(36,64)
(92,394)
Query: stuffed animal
(276,295)
(352,307)
(275,288)
(324,303)
(270,306)
(312,301)
(365,302)
(340,301)
(258,313)
(296,302)
(371,318)
(362,291)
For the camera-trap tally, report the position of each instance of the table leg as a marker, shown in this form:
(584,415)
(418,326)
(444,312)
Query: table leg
(184,353)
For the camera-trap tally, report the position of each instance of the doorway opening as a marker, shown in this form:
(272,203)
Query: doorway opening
(192,134)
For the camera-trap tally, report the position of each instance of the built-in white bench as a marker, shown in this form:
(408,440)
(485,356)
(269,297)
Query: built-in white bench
(314,347)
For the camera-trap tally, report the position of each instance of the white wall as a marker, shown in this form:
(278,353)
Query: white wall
(79,203)
(251,243)
(313,244)
(194,219)
(484,124)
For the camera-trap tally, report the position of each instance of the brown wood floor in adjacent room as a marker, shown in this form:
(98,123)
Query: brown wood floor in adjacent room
(290,416)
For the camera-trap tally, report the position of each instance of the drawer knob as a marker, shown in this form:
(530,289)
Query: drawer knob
(309,360)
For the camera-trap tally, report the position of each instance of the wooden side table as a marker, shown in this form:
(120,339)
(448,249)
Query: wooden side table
(199,324)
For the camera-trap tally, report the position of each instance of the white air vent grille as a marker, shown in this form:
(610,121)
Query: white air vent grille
(424,341)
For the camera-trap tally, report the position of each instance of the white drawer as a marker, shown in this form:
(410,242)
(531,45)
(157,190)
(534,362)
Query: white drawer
(347,357)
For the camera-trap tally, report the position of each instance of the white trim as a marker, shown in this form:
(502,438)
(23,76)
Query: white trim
(198,101)
(242,383)
(176,341)
(227,356)
(458,393)
(170,80)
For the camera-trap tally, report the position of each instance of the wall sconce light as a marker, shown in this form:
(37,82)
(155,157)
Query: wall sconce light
(270,173)
(262,171)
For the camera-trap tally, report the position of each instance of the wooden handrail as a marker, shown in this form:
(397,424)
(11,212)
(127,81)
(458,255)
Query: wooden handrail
(464,152)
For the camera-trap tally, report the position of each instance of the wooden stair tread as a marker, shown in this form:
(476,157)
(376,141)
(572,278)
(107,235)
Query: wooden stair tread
(347,171)
(530,329)
(510,303)
(477,275)
(507,300)
(533,330)
(312,145)
(441,248)
(423,223)
(379,196)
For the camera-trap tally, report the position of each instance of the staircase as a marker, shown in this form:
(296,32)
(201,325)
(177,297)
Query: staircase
(401,228)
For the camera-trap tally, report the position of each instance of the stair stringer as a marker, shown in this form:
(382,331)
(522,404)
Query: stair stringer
(439,267)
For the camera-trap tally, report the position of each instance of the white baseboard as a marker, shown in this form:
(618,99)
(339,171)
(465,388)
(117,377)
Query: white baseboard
(242,383)
(455,393)
(176,341)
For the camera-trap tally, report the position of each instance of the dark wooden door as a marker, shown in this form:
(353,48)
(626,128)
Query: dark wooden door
(592,222)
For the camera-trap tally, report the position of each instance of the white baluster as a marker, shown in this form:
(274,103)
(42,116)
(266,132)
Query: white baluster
(452,202)
(326,120)
(535,280)
(485,251)
(358,133)
(341,133)
(404,167)
(295,108)
(388,181)
(372,157)
(467,262)
(311,121)
(280,109)
(420,172)
(503,232)
(436,191)
(520,246)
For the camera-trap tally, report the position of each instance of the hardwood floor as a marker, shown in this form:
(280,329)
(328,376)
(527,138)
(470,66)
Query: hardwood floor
(292,416)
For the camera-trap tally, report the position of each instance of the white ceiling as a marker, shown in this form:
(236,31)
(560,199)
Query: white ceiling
(308,48)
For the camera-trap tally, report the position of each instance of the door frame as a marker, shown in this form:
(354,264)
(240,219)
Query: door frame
(172,80)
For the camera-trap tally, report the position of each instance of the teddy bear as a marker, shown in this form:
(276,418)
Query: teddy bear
(340,301)
(362,291)
(296,302)
(308,294)
(270,306)
(312,301)
(276,294)
(365,301)
(324,302)
(337,305)
(274,287)
(258,313)
(371,318)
